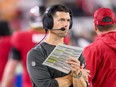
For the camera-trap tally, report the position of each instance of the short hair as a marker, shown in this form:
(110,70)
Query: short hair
(57,8)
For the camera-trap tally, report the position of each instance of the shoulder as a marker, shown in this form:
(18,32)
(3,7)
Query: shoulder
(95,46)
(5,38)
(36,56)
(20,33)
(95,49)
(35,53)
(20,36)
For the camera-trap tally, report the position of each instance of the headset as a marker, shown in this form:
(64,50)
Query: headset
(48,19)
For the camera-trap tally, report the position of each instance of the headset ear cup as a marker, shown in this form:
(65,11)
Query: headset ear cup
(47,21)
(71,21)
(45,24)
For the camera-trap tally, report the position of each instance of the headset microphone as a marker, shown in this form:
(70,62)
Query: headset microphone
(62,29)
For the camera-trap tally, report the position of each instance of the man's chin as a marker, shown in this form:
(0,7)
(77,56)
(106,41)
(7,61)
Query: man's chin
(63,36)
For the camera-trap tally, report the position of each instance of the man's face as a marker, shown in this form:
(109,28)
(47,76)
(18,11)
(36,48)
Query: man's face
(61,19)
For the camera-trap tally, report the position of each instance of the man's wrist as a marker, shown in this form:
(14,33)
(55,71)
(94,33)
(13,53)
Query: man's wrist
(79,75)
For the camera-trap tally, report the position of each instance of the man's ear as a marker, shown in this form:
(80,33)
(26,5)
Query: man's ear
(95,28)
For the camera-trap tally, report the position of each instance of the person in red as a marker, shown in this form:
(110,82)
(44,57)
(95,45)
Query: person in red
(5,45)
(22,42)
(100,56)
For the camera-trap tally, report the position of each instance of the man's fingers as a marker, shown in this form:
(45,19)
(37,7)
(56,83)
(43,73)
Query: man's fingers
(73,63)
(73,59)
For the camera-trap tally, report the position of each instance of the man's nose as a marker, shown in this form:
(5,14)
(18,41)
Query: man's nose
(66,24)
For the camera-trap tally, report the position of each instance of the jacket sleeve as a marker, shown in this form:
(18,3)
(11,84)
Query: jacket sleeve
(39,74)
(92,58)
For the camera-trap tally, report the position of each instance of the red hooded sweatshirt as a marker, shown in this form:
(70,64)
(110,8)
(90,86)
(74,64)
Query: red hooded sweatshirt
(100,57)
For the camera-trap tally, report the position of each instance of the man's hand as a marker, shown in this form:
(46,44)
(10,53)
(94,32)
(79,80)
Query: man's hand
(80,75)
(74,65)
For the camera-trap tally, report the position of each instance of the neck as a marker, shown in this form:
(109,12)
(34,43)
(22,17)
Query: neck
(54,40)
(99,33)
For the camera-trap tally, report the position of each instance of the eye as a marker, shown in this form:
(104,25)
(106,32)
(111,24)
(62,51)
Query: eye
(62,20)
(68,20)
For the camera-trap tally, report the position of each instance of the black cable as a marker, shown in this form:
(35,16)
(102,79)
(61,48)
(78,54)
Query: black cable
(43,37)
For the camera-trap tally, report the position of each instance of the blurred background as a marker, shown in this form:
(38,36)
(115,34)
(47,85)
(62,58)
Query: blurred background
(15,15)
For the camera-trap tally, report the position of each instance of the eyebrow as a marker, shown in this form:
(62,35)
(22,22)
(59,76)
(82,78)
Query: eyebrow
(64,19)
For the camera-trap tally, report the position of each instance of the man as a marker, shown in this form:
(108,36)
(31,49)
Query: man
(57,20)
(22,42)
(100,56)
